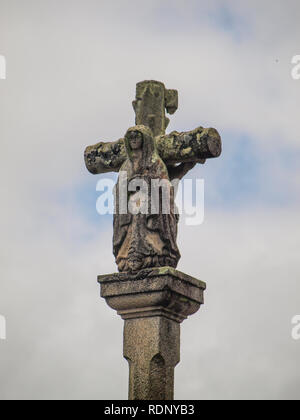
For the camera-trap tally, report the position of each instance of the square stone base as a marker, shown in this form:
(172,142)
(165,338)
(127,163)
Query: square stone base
(161,291)
(153,303)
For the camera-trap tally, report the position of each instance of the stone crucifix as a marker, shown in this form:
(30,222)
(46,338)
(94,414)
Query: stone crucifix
(152,100)
(148,292)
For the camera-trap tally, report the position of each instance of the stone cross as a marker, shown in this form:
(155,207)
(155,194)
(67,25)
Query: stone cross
(149,293)
(152,99)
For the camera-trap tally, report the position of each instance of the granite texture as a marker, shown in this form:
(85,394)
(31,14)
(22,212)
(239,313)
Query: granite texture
(152,101)
(153,303)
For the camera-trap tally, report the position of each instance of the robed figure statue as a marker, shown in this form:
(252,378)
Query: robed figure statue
(145,219)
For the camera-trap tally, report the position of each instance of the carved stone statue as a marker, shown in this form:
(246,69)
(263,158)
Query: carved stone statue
(148,292)
(144,240)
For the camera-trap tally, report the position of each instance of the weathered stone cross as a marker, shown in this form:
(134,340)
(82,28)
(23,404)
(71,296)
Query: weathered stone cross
(152,99)
(149,293)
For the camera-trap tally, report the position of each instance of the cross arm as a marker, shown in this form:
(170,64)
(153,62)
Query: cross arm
(105,157)
(191,146)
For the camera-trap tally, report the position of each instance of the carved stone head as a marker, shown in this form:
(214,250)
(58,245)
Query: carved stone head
(141,137)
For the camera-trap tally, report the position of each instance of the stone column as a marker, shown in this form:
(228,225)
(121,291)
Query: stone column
(153,303)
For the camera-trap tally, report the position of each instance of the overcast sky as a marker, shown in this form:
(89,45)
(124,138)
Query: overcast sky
(72,67)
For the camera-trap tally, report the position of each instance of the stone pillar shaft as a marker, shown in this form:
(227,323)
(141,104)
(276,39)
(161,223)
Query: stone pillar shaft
(153,303)
(151,347)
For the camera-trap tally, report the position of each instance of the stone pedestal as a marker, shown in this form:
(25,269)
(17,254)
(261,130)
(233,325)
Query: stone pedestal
(153,303)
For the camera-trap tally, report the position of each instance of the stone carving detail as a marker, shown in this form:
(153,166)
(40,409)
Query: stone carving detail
(192,146)
(152,98)
(144,240)
(150,295)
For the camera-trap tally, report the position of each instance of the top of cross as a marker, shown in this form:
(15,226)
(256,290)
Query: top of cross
(150,106)
(152,99)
